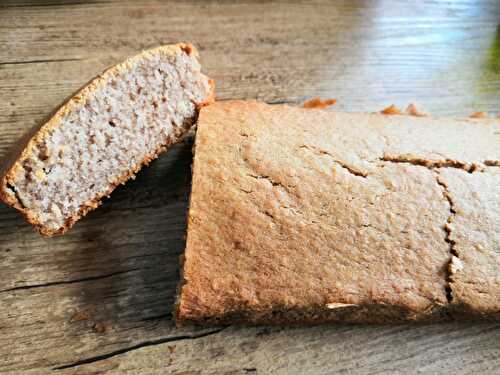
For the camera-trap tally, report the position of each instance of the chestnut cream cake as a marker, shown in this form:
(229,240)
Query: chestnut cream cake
(309,216)
(103,135)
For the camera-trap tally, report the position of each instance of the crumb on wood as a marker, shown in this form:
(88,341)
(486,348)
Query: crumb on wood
(412,110)
(80,316)
(479,115)
(99,328)
(171,348)
(318,103)
(391,110)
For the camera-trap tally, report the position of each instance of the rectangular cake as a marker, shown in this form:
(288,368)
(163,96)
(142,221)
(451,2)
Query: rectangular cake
(304,216)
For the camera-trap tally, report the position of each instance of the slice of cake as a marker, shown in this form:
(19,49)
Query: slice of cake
(307,216)
(104,134)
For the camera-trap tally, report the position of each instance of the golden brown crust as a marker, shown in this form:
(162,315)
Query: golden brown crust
(318,103)
(297,219)
(11,165)
(391,110)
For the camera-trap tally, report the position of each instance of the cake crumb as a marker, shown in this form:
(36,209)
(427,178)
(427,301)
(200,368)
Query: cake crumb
(80,316)
(479,115)
(99,328)
(40,174)
(104,134)
(318,103)
(391,110)
(412,110)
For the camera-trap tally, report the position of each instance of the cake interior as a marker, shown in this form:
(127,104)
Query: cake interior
(121,120)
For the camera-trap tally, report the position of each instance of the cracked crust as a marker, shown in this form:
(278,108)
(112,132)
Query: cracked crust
(13,165)
(283,225)
(475,240)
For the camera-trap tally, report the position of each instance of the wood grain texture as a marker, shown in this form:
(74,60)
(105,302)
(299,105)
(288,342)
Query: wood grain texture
(99,299)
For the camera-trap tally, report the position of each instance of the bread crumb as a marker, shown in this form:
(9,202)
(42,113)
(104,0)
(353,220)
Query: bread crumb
(391,110)
(99,328)
(412,110)
(80,316)
(479,115)
(318,103)
(456,264)
(62,150)
(40,174)
(338,305)
(55,210)
(104,134)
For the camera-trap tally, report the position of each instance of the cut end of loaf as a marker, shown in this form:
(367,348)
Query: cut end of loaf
(104,134)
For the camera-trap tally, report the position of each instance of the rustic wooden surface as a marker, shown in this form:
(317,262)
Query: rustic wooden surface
(99,299)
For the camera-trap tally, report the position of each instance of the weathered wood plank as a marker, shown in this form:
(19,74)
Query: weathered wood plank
(439,349)
(365,56)
(116,272)
(99,298)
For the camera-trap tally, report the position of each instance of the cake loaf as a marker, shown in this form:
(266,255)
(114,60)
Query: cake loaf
(305,216)
(104,134)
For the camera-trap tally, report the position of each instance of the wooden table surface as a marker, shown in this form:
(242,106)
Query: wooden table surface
(99,299)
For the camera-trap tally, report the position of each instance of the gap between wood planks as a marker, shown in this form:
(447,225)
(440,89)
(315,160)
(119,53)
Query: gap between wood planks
(62,282)
(37,61)
(138,346)
(30,4)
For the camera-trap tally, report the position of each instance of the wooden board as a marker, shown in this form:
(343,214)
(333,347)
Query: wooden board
(99,299)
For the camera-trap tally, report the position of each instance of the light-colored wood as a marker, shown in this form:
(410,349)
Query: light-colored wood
(99,299)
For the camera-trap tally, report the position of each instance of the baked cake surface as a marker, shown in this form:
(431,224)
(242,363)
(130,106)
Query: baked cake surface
(309,216)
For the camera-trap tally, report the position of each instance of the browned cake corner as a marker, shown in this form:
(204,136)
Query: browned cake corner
(104,134)
(309,216)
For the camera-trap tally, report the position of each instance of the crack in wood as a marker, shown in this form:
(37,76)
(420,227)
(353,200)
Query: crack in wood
(140,345)
(270,102)
(64,282)
(12,4)
(37,61)
(281,101)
